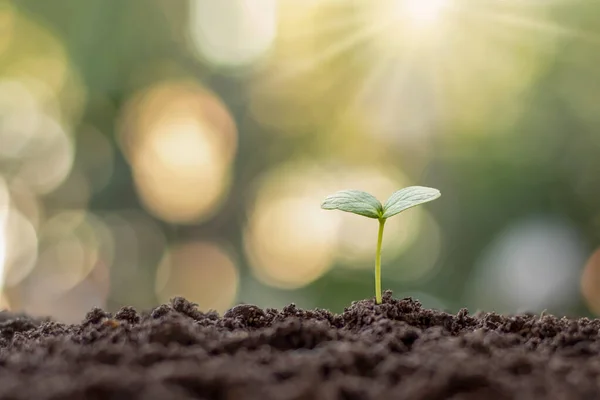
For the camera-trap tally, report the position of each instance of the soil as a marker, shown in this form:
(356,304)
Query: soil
(395,350)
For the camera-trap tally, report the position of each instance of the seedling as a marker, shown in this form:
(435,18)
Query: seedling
(362,203)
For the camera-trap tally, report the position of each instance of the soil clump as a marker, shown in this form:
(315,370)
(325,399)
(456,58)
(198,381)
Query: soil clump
(395,350)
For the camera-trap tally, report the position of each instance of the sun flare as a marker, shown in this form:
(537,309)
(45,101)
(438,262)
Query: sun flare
(420,12)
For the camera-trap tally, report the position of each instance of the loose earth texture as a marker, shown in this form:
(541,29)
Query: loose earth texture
(396,350)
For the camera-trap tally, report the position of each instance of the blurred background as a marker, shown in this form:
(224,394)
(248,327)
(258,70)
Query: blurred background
(154,148)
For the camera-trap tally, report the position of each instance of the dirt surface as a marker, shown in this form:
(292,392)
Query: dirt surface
(396,350)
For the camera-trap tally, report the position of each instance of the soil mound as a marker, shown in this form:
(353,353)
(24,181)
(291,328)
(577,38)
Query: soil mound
(395,350)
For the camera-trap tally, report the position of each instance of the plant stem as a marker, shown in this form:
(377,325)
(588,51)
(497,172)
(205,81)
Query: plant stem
(378,262)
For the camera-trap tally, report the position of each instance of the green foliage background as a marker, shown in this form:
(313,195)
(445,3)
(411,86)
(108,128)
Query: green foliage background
(512,129)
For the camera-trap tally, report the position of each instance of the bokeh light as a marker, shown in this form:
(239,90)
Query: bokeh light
(7,22)
(34,54)
(532,266)
(235,32)
(33,141)
(289,240)
(27,202)
(18,241)
(202,272)
(357,235)
(20,114)
(590,282)
(71,274)
(47,65)
(290,243)
(423,55)
(180,141)
(4,208)
(135,245)
(69,306)
(49,157)
(420,261)
(70,248)
(4,304)
(305,84)
(122,183)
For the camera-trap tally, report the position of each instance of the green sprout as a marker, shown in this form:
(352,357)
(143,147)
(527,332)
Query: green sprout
(362,203)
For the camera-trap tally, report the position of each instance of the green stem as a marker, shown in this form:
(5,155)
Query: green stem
(378,262)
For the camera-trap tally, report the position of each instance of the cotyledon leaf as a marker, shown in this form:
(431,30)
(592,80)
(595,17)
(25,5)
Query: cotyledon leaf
(354,201)
(408,197)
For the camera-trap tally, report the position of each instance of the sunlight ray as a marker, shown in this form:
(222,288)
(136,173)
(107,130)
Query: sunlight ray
(544,27)
(435,60)
(332,52)
(335,26)
(396,68)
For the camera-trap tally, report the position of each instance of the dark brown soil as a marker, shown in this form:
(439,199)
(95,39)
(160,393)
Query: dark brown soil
(396,350)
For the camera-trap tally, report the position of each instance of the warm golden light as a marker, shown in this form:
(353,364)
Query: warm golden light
(72,272)
(180,141)
(590,282)
(68,306)
(34,141)
(421,12)
(69,244)
(47,72)
(356,236)
(7,26)
(49,157)
(21,114)
(201,272)
(235,32)
(419,261)
(420,59)
(4,303)
(18,241)
(27,202)
(179,173)
(289,240)
(3,234)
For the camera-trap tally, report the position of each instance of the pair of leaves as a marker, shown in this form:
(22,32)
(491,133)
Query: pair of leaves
(362,203)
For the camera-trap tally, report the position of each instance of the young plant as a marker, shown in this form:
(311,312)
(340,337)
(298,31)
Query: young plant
(362,203)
